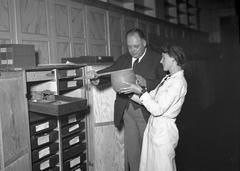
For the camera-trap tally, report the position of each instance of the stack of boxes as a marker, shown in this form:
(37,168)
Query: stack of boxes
(17,56)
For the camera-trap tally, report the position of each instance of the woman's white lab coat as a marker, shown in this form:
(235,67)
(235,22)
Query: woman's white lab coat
(161,134)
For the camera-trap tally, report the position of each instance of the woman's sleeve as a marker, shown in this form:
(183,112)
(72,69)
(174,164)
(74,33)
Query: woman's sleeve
(160,104)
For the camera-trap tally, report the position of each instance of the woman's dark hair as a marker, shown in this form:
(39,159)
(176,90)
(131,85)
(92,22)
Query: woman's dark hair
(136,31)
(175,52)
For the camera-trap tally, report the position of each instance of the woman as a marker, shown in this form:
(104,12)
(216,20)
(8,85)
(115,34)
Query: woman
(164,103)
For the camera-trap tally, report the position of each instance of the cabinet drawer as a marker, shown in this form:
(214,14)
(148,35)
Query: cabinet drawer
(68,73)
(74,162)
(54,169)
(43,126)
(39,75)
(46,163)
(44,152)
(73,140)
(70,84)
(40,140)
(72,118)
(73,151)
(81,167)
(73,128)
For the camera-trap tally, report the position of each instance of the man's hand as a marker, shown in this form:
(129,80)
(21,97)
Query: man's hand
(93,76)
(141,81)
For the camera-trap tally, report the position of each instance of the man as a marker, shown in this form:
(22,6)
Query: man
(149,72)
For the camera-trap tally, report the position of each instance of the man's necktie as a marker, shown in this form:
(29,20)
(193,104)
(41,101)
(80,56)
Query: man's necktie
(135,64)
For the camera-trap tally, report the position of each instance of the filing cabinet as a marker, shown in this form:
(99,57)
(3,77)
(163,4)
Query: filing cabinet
(58,133)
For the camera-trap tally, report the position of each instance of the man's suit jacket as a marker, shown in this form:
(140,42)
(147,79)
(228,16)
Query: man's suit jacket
(149,68)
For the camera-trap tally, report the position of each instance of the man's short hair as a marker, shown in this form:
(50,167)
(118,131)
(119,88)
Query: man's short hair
(136,31)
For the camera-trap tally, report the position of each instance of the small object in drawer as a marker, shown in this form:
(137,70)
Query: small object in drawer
(73,128)
(46,163)
(73,151)
(39,140)
(75,161)
(61,106)
(73,140)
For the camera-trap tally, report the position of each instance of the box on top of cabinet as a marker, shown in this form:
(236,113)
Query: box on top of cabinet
(17,56)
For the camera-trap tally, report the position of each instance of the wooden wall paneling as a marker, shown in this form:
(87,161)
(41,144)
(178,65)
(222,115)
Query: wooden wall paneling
(33,27)
(116,34)
(41,50)
(62,50)
(97,36)
(78,30)
(33,17)
(153,28)
(79,49)
(77,22)
(15,139)
(59,30)
(143,25)
(129,23)
(5,41)
(61,20)
(7,32)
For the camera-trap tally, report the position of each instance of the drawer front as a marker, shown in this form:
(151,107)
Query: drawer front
(54,169)
(44,152)
(43,126)
(39,75)
(73,151)
(70,84)
(38,141)
(74,162)
(81,167)
(72,118)
(73,128)
(46,163)
(69,73)
(73,140)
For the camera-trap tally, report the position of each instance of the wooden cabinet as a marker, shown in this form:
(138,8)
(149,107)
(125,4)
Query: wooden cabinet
(58,136)
(15,151)
(184,12)
(106,143)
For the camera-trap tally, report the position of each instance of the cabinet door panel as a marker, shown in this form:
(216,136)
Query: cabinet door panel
(14,136)
(61,23)
(33,17)
(4,16)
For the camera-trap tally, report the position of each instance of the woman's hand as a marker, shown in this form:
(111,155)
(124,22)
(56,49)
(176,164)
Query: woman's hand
(131,88)
(141,81)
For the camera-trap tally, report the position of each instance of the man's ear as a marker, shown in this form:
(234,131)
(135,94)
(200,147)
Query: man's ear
(144,43)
